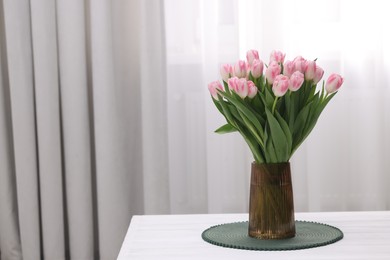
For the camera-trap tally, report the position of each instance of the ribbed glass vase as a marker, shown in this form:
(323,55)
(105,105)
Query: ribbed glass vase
(271,204)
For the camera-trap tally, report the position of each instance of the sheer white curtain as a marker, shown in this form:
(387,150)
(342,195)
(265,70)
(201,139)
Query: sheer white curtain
(208,173)
(343,164)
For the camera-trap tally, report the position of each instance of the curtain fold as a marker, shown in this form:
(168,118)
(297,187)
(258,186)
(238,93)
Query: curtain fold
(9,228)
(47,121)
(156,185)
(76,127)
(18,41)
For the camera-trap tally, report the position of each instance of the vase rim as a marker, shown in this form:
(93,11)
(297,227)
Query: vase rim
(255,163)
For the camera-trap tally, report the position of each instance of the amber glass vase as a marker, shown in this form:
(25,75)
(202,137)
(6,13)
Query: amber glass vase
(271,205)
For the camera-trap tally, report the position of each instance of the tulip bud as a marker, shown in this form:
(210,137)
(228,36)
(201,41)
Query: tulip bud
(300,64)
(252,55)
(318,75)
(296,81)
(257,68)
(213,86)
(277,56)
(288,68)
(280,85)
(272,71)
(241,88)
(232,83)
(333,83)
(252,89)
(240,69)
(310,70)
(226,71)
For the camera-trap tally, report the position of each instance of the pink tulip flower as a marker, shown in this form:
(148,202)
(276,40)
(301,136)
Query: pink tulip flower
(213,88)
(257,68)
(240,69)
(333,83)
(280,85)
(252,89)
(310,70)
(288,68)
(277,56)
(252,55)
(300,64)
(232,83)
(318,75)
(296,81)
(226,71)
(241,88)
(272,71)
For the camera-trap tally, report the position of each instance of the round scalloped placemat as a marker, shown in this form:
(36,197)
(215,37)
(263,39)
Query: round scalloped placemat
(308,235)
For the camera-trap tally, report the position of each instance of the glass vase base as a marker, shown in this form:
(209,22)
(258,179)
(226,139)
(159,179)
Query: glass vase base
(271,235)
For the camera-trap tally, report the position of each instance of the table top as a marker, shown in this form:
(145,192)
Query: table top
(366,236)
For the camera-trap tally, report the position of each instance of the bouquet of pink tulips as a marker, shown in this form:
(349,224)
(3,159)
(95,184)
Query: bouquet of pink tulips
(273,110)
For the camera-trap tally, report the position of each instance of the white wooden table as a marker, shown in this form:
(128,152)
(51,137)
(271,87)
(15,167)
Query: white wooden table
(366,236)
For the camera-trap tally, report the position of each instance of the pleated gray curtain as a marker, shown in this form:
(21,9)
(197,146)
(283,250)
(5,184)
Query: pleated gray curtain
(82,116)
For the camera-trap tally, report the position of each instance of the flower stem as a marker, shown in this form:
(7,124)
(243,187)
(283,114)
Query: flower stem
(326,95)
(274,105)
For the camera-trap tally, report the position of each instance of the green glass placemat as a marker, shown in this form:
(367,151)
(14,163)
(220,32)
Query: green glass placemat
(308,235)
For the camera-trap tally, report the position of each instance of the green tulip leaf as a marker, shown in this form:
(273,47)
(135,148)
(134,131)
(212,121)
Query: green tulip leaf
(228,128)
(271,153)
(299,124)
(253,145)
(218,105)
(286,131)
(237,101)
(226,112)
(252,129)
(279,139)
(269,98)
